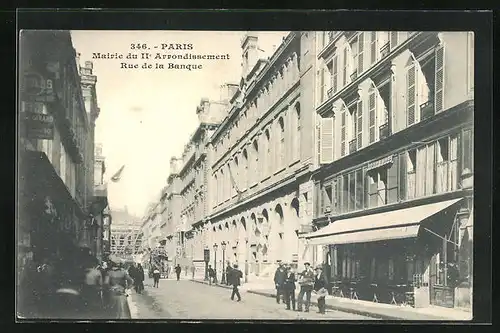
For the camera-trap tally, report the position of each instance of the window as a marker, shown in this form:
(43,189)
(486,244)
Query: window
(353,126)
(282,142)
(343,131)
(443,159)
(373,47)
(323,82)
(372,110)
(359,124)
(411,94)
(439,80)
(245,169)
(345,193)
(335,74)
(256,169)
(327,193)
(345,70)
(267,160)
(470,61)
(361,49)
(297,137)
(393,39)
(352,60)
(329,83)
(467,151)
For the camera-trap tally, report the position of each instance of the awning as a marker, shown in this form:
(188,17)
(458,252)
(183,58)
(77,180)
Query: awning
(402,223)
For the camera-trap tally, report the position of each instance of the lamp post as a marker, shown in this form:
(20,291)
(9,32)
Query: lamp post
(215,262)
(206,257)
(223,246)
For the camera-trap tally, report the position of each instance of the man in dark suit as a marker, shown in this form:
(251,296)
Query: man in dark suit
(279,279)
(320,288)
(235,278)
(306,282)
(289,288)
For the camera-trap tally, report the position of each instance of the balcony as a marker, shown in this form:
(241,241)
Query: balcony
(384,50)
(426,110)
(352,146)
(330,92)
(384,131)
(354,75)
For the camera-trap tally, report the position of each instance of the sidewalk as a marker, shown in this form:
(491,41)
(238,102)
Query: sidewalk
(368,309)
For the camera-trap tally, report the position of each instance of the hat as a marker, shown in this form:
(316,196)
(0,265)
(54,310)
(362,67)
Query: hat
(319,267)
(307,263)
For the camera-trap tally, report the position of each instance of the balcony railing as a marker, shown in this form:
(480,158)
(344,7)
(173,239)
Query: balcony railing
(352,146)
(384,50)
(330,92)
(354,75)
(384,131)
(426,110)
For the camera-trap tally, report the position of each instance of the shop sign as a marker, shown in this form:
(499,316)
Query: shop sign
(380,163)
(39,126)
(37,88)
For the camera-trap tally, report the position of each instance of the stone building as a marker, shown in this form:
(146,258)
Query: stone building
(261,159)
(126,234)
(394,191)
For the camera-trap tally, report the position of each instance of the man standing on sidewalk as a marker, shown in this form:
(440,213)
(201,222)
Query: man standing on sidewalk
(211,274)
(306,282)
(178,271)
(235,278)
(279,280)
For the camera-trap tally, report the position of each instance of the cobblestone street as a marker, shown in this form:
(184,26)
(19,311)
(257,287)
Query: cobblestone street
(189,300)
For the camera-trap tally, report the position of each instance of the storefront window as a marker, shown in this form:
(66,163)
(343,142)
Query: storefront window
(352,191)
(467,150)
(360,190)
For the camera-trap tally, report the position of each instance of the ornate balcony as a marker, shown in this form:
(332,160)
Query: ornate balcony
(384,50)
(352,146)
(426,110)
(384,131)
(354,75)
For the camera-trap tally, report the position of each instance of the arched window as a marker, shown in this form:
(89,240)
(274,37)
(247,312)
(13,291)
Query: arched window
(268,158)
(236,171)
(245,169)
(282,147)
(256,168)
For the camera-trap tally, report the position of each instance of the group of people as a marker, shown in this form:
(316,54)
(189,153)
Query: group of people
(309,281)
(157,275)
(136,272)
(75,285)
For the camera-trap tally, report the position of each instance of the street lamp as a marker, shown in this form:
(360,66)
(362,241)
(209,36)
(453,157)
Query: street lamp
(223,246)
(215,262)
(206,257)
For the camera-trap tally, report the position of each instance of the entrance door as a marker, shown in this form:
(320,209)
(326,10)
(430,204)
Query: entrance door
(440,293)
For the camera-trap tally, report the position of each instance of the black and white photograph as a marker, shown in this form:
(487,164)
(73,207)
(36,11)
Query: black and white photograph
(245,175)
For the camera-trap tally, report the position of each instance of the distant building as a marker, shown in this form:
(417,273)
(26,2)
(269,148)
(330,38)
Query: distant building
(126,233)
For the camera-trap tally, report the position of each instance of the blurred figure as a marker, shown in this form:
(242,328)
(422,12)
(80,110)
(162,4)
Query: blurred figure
(211,274)
(139,283)
(193,270)
(235,278)
(320,285)
(156,277)
(228,272)
(93,285)
(306,282)
(178,271)
(279,279)
(118,281)
(289,287)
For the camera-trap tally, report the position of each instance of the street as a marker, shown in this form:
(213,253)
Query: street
(190,300)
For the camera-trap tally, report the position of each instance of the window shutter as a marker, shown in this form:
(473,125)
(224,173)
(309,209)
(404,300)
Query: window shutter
(342,132)
(361,48)
(373,47)
(392,181)
(345,73)
(402,175)
(335,73)
(372,113)
(326,141)
(439,80)
(393,39)
(410,94)
(359,139)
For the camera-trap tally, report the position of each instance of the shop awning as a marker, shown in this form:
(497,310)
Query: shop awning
(402,223)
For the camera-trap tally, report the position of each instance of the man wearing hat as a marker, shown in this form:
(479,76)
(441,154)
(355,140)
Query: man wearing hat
(306,282)
(279,280)
(320,285)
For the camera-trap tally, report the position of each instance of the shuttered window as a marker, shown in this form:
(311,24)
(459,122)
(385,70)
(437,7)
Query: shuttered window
(372,110)
(345,73)
(373,46)
(359,138)
(342,131)
(326,140)
(410,94)
(393,39)
(335,74)
(361,49)
(439,80)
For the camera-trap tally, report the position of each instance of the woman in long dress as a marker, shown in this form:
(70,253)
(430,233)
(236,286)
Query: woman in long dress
(118,281)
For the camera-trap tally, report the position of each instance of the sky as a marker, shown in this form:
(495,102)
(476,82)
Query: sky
(148,115)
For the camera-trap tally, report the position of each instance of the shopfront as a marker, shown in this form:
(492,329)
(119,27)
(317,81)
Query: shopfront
(406,256)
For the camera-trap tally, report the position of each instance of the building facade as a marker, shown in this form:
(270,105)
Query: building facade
(261,161)
(126,234)
(394,191)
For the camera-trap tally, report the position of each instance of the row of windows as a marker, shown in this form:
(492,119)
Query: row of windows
(273,150)
(352,57)
(271,92)
(429,169)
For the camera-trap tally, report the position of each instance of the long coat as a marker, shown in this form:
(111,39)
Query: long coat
(289,283)
(320,281)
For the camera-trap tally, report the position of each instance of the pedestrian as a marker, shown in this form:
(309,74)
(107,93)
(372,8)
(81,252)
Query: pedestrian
(118,281)
(140,279)
(235,278)
(306,282)
(156,277)
(132,272)
(178,271)
(92,288)
(211,274)
(228,272)
(320,285)
(279,279)
(289,288)
(193,270)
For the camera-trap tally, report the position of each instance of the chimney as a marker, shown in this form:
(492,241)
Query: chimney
(250,49)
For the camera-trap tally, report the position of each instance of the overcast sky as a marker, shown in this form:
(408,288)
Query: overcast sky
(148,115)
